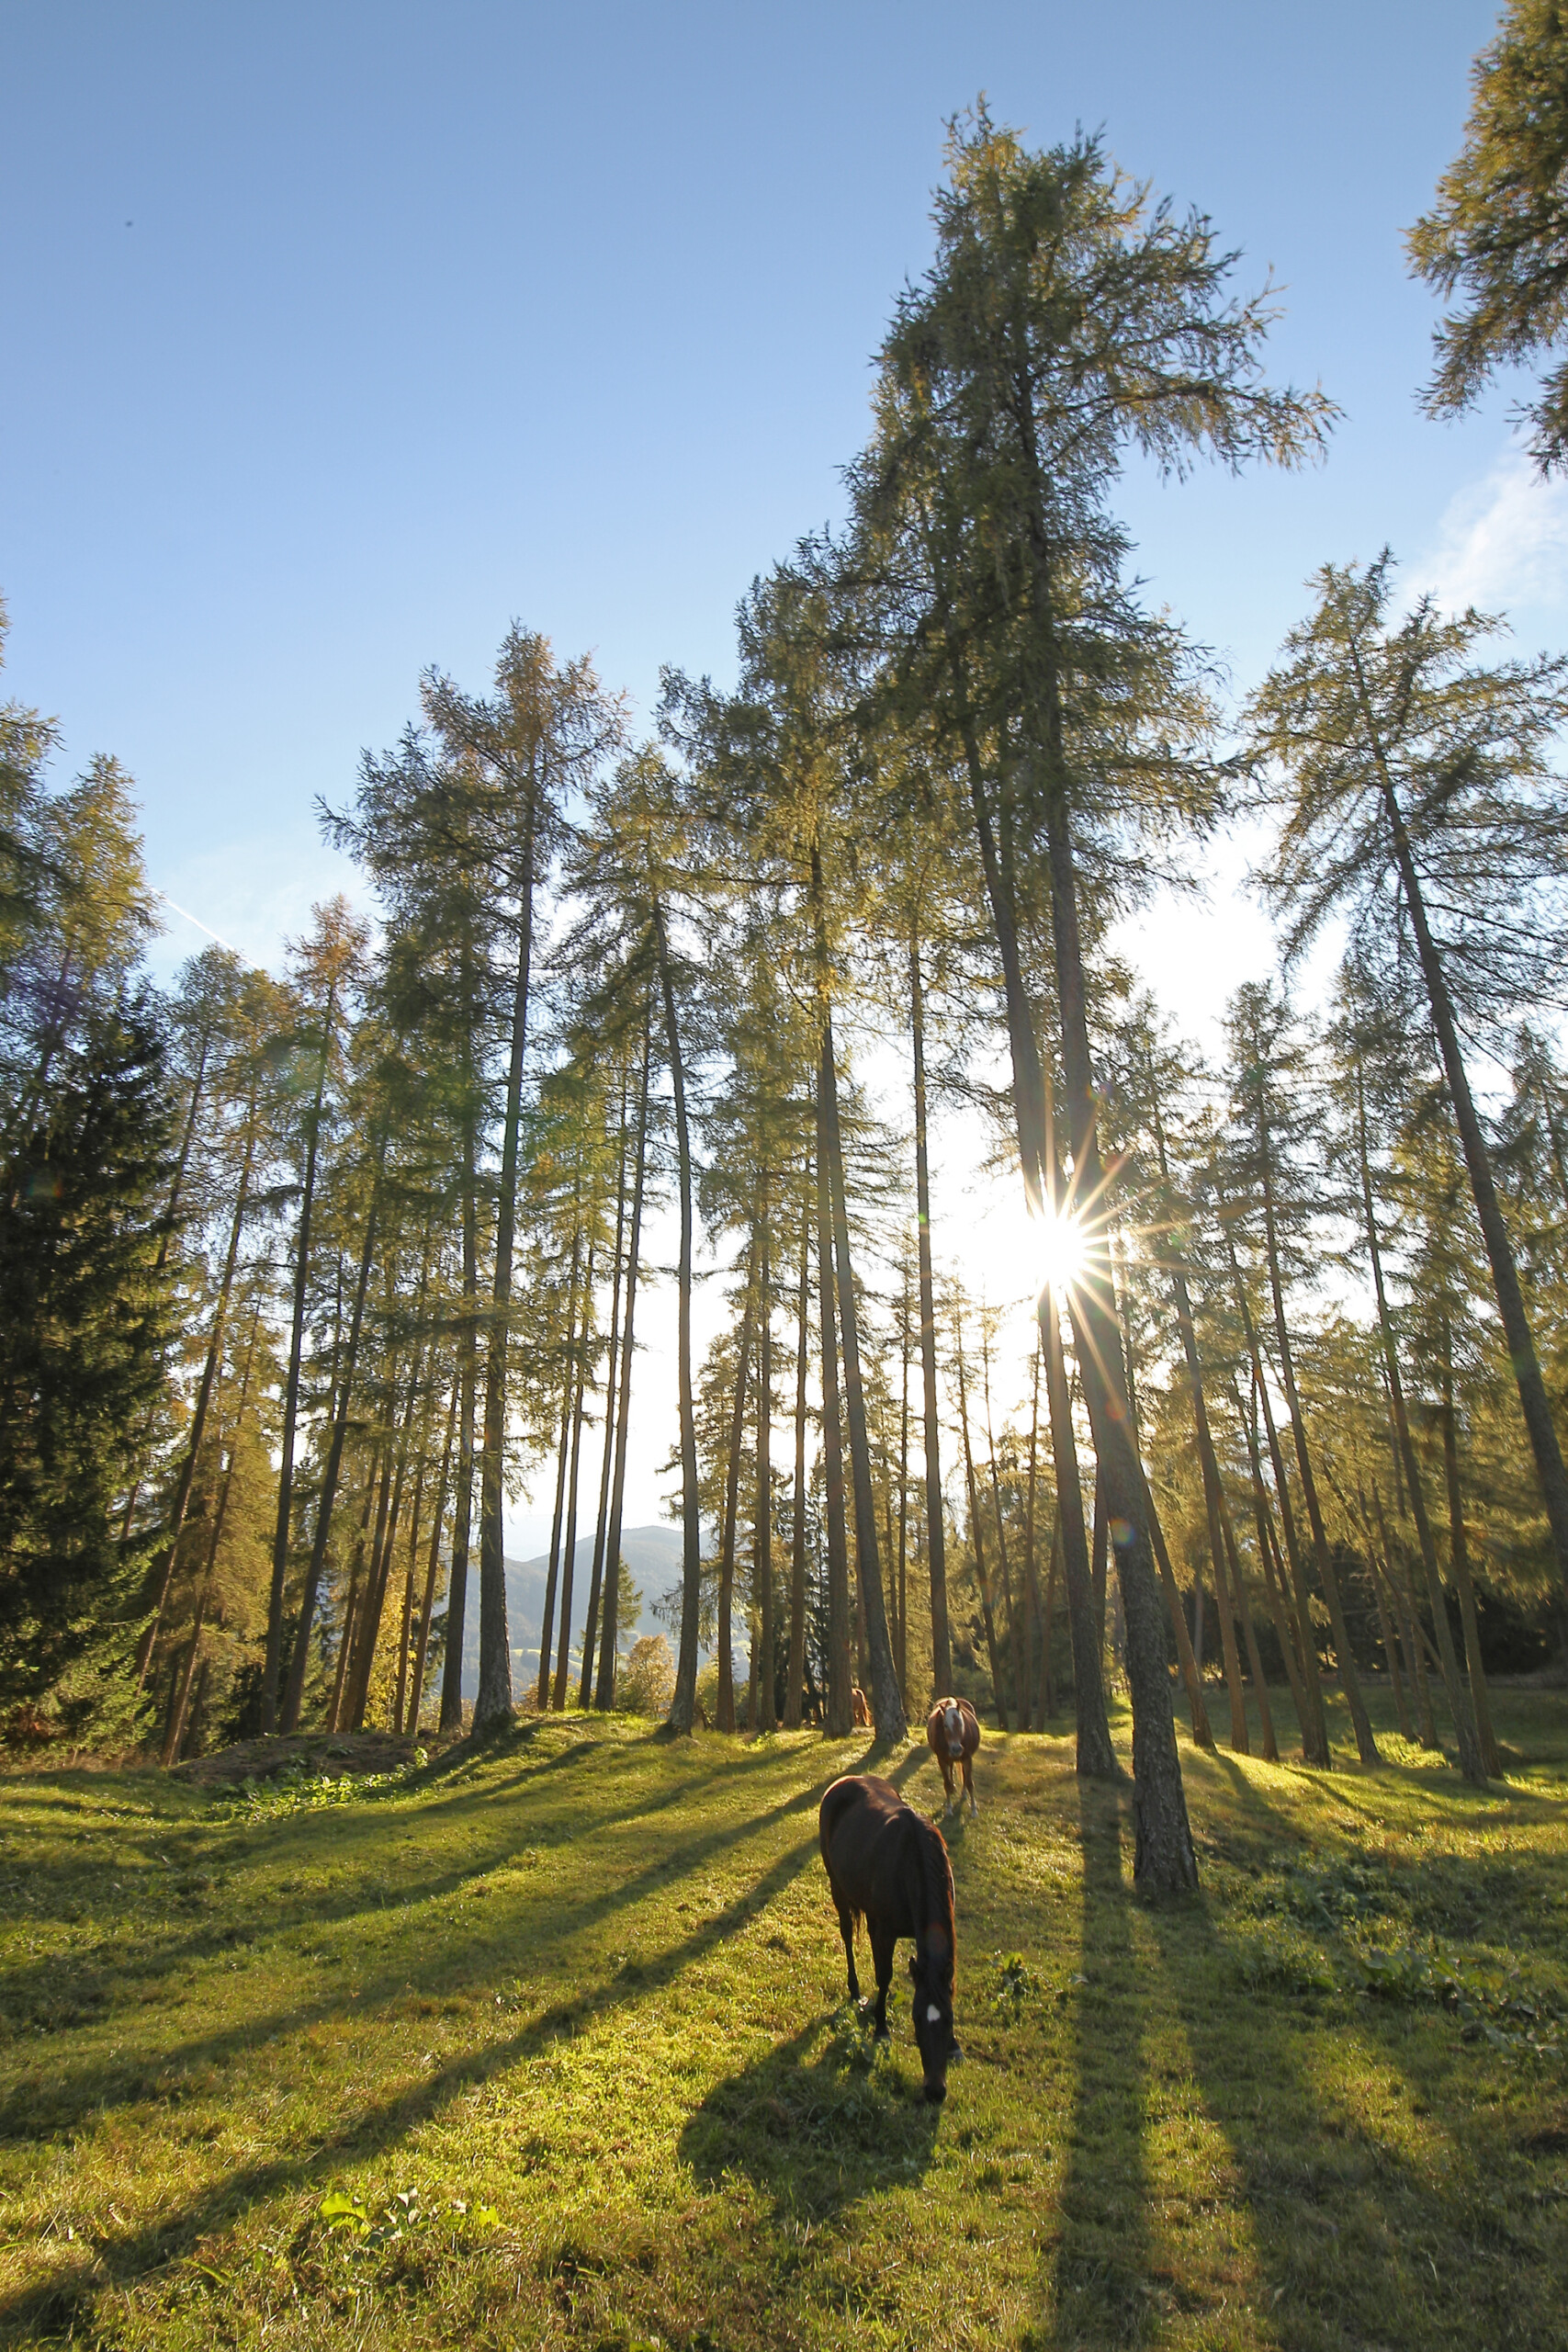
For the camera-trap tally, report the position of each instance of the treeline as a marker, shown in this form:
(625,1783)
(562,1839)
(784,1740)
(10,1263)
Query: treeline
(301,1277)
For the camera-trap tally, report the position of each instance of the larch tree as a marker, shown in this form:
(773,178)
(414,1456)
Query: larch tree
(1417,802)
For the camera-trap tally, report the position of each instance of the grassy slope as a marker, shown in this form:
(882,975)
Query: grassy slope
(589,1990)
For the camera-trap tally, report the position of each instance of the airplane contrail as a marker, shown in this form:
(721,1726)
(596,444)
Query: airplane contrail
(207,928)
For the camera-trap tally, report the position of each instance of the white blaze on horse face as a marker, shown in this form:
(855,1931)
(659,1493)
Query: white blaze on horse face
(934,2015)
(953,1721)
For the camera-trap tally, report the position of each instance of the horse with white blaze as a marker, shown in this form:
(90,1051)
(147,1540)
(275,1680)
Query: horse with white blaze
(887,1863)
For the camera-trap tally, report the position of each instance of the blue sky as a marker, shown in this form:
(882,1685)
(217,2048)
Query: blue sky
(430,316)
(338,335)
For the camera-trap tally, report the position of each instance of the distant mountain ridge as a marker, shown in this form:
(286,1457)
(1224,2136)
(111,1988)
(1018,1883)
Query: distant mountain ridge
(653,1555)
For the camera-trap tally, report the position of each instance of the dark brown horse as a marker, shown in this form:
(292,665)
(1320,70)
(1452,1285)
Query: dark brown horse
(886,1862)
(953,1730)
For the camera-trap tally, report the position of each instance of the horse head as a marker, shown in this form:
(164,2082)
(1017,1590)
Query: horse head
(953,1729)
(931,1975)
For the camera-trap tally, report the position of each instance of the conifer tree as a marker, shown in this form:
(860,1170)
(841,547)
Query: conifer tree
(1417,802)
(1497,234)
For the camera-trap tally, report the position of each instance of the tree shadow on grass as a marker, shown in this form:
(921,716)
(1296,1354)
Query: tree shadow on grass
(1099,2287)
(58,1993)
(816,2130)
(119,2261)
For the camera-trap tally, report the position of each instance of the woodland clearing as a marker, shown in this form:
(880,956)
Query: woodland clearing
(545,2043)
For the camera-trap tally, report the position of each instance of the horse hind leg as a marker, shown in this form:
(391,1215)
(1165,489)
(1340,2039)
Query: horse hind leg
(847,1930)
(882,1958)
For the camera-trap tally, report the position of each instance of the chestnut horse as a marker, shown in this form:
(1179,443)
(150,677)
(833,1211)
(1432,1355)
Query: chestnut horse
(887,1862)
(953,1729)
(860,1709)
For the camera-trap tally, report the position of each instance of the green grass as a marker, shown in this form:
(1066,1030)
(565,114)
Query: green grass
(551,2049)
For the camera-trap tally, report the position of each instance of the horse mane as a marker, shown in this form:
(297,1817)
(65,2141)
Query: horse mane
(936,1890)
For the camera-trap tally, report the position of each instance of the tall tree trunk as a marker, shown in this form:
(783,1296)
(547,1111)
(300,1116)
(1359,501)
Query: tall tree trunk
(1405,1599)
(1029,1715)
(294,1689)
(165,1570)
(1316,1750)
(570,1421)
(794,1691)
(766,1716)
(612,1363)
(901,1629)
(1034,1114)
(1459,1556)
(1248,1633)
(493,1702)
(468,1377)
(684,1706)
(166,1240)
(976,1535)
(1164,1860)
(1047,1684)
(1096,1756)
(1279,1606)
(1203,1735)
(731,1513)
(1383,1585)
(838,1713)
(1014,1648)
(349,1628)
(1472,1758)
(579,1372)
(887,1706)
(1533,1401)
(174,1730)
(431,1570)
(606,1692)
(936,1555)
(273,1663)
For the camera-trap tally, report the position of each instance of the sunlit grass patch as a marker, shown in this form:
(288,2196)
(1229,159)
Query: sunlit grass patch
(550,2046)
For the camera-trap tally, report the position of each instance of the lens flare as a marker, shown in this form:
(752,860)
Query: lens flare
(1062,1251)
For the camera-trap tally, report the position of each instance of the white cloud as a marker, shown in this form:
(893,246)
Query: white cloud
(1503,541)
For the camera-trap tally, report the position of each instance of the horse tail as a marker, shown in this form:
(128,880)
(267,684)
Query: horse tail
(936,1889)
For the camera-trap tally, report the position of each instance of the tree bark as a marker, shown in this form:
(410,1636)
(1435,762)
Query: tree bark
(684,1706)
(1459,1556)
(606,1692)
(1029,1715)
(431,1569)
(936,1555)
(796,1688)
(1473,1761)
(273,1662)
(203,1401)
(976,1533)
(762,1555)
(467,1377)
(572,1377)
(887,1706)
(1316,1750)
(492,1704)
(298,1663)
(838,1713)
(731,1513)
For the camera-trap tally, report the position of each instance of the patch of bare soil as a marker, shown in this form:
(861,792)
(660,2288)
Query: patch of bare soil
(334,1752)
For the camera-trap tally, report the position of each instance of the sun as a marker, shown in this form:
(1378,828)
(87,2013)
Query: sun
(1061,1250)
(1011,1255)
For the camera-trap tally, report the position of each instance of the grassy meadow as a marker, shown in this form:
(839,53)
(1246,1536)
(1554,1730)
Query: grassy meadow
(548,2046)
